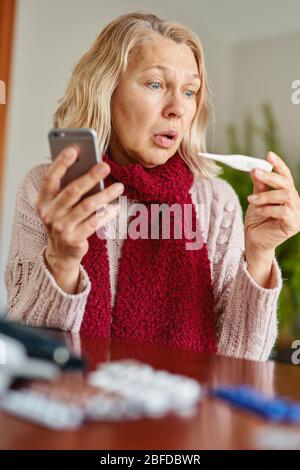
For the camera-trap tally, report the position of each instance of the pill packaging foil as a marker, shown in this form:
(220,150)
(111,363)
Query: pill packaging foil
(123,390)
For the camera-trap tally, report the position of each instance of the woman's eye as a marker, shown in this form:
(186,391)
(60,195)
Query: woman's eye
(193,93)
(155,83)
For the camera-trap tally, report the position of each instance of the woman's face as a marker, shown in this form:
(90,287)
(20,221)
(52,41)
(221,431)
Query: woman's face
(157,93)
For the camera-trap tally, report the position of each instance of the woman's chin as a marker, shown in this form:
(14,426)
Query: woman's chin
(159,158)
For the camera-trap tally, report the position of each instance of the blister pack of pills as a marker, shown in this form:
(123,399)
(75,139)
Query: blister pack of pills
(40,409)
(116,391)
(145,391)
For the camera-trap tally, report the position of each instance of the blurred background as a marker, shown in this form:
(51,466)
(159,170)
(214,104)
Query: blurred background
(252,52)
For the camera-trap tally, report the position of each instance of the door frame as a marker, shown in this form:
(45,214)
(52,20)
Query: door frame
(7,21)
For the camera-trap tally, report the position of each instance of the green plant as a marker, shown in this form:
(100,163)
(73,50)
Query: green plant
(287,254)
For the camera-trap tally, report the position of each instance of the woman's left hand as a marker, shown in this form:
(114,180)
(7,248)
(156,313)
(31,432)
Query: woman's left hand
(272,216)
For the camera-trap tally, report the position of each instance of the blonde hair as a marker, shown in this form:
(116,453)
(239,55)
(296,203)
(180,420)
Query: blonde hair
(87,100)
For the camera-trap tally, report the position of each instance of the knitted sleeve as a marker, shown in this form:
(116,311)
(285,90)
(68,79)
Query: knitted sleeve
(246,313)
(33,296)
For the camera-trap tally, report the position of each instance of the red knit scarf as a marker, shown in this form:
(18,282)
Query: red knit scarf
(164,291)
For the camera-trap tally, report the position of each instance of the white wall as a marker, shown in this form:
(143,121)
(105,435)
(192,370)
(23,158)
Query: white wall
(264,70)
(50,37)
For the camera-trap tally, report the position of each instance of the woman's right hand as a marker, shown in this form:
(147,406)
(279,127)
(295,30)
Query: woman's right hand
(70,223)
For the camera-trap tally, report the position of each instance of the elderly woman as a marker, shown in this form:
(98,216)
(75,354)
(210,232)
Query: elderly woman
(142,86)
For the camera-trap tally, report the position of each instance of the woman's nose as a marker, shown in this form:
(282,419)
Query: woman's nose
(174,106)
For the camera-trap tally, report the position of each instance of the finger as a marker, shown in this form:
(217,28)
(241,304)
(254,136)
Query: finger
(72,193)
(89,205)
(273,180)
(51,181)
(276,212)
(277,196)
(95,222)
(258,186)
(279,165)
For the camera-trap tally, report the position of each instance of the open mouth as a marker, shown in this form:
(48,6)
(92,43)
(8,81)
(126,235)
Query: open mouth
(171,136)
(164,140)
(167,136)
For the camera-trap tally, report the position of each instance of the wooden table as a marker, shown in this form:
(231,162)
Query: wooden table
(216,425)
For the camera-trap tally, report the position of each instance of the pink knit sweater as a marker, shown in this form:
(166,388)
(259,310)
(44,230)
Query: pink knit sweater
(245,313)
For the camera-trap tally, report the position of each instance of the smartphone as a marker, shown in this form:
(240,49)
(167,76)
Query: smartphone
(86,143)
